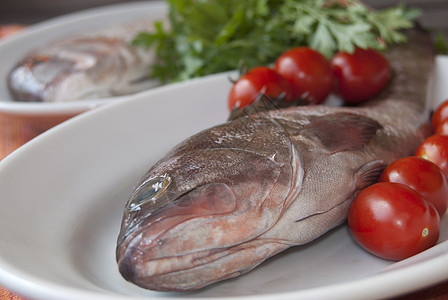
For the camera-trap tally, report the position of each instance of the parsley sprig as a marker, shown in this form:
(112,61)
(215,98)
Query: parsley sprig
(205,37)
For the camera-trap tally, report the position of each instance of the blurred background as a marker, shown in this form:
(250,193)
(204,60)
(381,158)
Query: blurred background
(32,11)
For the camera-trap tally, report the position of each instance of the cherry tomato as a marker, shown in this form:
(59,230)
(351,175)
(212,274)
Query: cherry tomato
(393,221)
(421,175)
(309,73)
(259,79)
(435,149)
(440,114)
(360,75)
(442,128)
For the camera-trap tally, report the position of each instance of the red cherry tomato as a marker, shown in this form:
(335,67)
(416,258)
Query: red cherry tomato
(442,128)
(259,79)
(440,114)
(435,149)
(421,175)
(360,75)
(393,221)
(309,73)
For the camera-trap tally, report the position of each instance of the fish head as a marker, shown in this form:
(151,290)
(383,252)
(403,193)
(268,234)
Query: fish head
(196,218)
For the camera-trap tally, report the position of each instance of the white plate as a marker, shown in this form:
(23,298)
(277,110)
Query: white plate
(62,197)
(13,48)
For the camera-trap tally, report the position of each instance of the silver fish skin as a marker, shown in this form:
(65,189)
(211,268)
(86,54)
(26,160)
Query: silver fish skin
(90,66)
(229,197)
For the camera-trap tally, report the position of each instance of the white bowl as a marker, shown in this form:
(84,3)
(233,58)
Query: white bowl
(62,197)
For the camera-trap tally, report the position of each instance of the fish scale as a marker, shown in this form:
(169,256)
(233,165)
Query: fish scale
(250,188)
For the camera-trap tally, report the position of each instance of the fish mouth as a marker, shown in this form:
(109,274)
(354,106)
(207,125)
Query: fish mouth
(198,269)
(194,241)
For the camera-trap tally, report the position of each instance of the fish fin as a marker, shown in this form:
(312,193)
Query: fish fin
(341,131)
(368,174)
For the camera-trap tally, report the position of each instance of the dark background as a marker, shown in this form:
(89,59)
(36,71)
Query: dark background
(32,11)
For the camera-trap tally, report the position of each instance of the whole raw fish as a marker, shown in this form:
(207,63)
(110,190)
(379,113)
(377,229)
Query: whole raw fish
(228,198)
(96,65)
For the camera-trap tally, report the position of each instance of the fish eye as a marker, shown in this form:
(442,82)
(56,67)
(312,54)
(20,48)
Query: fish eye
(148,191)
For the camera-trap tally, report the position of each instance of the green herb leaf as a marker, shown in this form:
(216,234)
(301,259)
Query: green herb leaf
(210,36)
(441,45)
